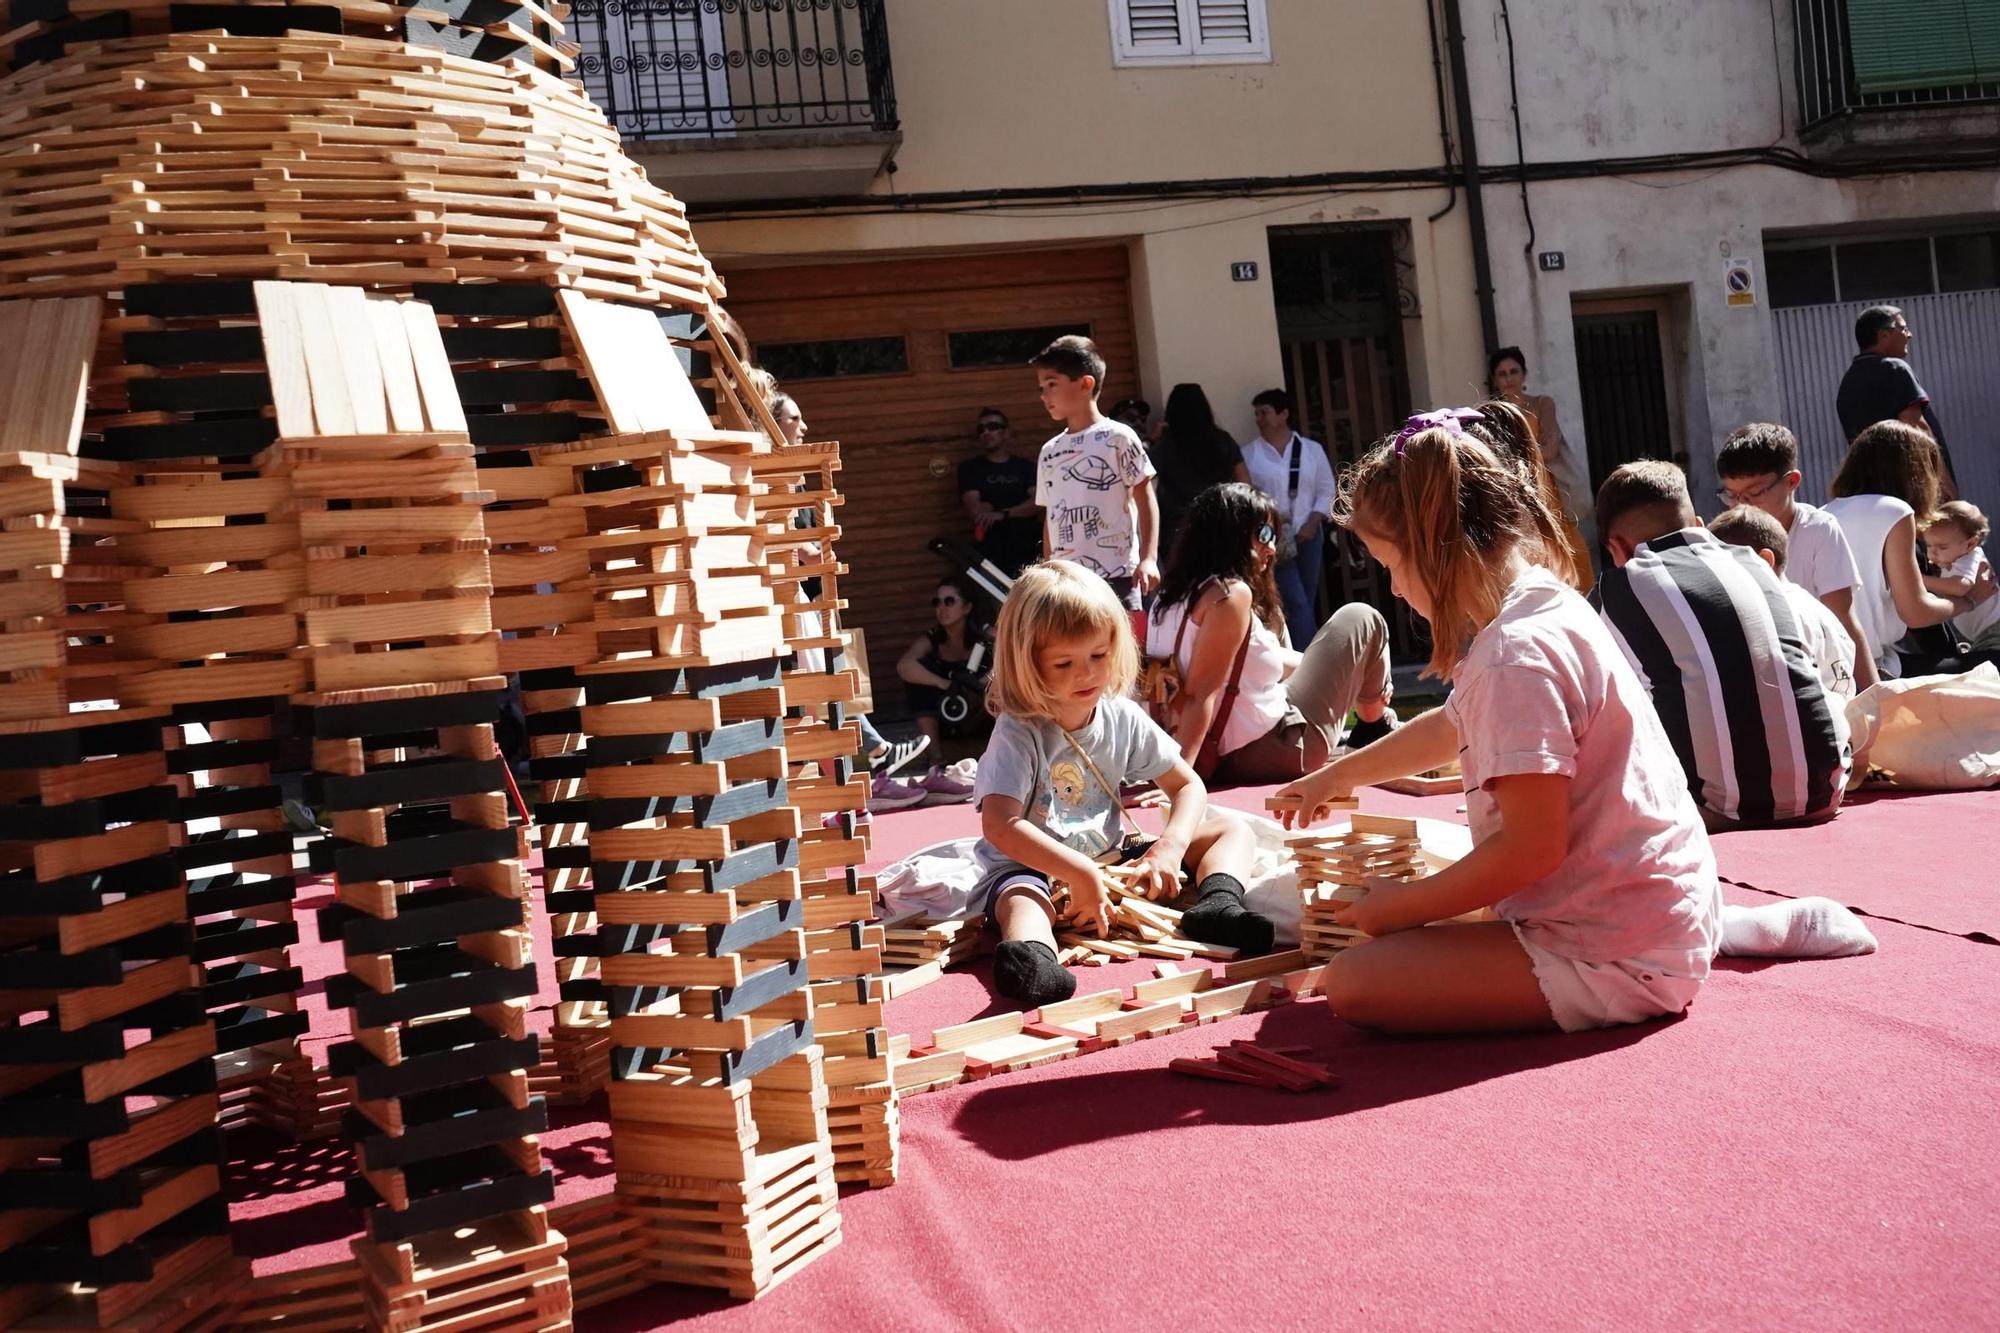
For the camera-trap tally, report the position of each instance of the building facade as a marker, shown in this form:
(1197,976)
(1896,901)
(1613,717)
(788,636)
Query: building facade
(1727,185)
(1233,193)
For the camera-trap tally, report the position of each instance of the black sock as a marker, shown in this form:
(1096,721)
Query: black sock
(1026,970)
(1219,917)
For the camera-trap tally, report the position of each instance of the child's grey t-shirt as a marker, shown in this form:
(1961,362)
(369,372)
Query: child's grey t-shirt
(1030,760)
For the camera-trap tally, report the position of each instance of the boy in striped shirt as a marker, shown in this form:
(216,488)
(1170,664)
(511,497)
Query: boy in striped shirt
(1709,629)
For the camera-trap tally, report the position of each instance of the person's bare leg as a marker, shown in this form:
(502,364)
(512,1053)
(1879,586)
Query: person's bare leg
(1439,979)
(1223,843)
(1024,966)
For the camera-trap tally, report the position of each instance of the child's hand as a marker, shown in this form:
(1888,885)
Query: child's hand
(1088,911)
(1147,576)
(1159,870)
(1313,792)
(1388,906)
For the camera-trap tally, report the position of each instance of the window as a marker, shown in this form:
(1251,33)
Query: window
(982,348)
(1801,277)
(1189,32)
(834,358)
(1880,268)
(1968,263)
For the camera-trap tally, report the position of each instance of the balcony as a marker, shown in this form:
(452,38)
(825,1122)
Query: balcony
(731,100)
(1877,82)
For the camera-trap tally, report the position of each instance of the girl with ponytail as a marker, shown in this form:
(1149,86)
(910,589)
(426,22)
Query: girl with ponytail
(1588,847)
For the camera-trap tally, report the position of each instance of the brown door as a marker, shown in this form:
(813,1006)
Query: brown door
(893,357)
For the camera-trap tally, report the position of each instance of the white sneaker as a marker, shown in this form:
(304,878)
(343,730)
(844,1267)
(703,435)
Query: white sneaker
(899,755)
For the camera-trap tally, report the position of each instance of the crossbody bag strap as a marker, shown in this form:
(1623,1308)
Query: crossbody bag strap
(1109,790)
(1210,753)
(1298,453)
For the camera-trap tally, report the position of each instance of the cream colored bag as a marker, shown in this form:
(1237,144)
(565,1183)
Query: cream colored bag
(1933,733)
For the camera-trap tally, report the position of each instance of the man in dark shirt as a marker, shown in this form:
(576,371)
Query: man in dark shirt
(998,491)
(1879,384)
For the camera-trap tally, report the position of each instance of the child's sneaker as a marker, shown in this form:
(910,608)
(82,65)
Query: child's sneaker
(945,786)
(898,755)
(887,793)
(1367,733)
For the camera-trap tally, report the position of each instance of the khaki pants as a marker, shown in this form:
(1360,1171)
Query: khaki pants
(1347,661)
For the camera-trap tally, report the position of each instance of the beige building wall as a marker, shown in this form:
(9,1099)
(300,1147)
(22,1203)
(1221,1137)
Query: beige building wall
(1025,94)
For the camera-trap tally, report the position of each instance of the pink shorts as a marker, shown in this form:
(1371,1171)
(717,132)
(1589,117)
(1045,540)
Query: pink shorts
(1601,995)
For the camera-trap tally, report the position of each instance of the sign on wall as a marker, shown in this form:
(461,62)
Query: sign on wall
(1739,282)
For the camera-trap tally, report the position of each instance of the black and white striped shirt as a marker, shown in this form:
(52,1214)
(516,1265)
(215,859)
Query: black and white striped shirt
(1710,631)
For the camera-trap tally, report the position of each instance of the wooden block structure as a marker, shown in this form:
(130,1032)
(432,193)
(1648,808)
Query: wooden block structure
(110,1159)
(345,404)
(1334,866)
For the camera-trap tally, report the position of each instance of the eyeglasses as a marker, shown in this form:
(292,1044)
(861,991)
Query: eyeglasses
(1750,495)
(1267,534)
(944,601)
(991,427)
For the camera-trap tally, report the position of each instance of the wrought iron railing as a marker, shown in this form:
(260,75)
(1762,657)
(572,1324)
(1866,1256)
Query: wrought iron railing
(1827,86)
(706,69)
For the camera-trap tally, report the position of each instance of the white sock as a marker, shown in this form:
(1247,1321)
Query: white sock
(1794,928)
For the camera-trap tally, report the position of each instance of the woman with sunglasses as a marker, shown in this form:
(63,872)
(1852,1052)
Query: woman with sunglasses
(938,661)
(1251,709)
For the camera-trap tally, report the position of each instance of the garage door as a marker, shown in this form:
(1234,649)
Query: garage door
(893,357)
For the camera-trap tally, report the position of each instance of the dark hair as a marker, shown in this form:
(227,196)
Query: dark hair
(975,609)
(986,412)
(1747,525)
(1871,323)
(1753,450)
(1275,399)
(1500,354)
(1218,540)
(1648,484)
(1072,356)
(1891,458)
(1192,434)
(1124,405)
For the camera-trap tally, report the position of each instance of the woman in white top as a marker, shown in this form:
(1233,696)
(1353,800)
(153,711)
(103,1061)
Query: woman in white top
(1218,602)
(1889,477)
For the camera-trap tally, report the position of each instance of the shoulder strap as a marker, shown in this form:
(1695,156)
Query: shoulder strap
(1187,614)
(1117,805)
(1298,452)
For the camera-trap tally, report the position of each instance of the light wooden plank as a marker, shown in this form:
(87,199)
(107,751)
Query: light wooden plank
(333,409)
(433,368)
(360,360)
(285,358)
(399,371)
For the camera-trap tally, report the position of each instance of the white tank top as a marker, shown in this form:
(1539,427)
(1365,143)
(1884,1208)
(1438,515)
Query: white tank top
(1260,691)
(1866,521)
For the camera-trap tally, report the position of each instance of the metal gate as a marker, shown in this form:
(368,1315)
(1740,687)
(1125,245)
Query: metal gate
(1957,359)
(1624,383)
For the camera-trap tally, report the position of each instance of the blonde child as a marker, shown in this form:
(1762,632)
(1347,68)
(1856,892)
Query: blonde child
(1066,737)
(1587,844)
(1953,537)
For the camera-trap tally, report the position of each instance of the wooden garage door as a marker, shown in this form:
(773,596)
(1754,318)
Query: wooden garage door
(893,358)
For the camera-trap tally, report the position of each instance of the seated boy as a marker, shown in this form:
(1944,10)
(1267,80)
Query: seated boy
(1708,628)
(1094,480)
(1826,639)
(1952,538)
(1759,465)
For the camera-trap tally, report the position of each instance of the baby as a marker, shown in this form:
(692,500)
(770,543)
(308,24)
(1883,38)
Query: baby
(1953,537)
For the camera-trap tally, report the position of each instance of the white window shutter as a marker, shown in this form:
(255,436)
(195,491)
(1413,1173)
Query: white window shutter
(1230,27)
(1143,29)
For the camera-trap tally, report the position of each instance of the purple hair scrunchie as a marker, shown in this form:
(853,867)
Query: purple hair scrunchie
(1452,419)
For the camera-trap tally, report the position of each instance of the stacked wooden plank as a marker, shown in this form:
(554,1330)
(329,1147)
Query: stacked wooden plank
(1140,928)
(1334,868)
(379,491)
(204,621)
(316,157)
(110,1179)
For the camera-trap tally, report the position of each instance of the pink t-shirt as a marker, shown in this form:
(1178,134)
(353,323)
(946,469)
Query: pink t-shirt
(1543,689)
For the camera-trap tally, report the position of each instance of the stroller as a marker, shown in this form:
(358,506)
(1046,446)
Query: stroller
(963,701)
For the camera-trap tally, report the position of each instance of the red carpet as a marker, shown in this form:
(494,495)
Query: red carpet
(1813,1145)
(1923,858)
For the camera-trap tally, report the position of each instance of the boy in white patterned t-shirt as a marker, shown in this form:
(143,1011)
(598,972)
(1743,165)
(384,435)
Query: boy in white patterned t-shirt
(1094,481)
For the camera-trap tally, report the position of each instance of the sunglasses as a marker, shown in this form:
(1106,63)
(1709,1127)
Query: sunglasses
(1267,534)
(991,427)
(944,601)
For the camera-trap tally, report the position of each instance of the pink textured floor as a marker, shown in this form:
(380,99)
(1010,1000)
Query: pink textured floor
(1814,1145)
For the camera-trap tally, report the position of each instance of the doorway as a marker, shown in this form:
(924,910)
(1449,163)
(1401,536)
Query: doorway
(1340,294)
(1627,364)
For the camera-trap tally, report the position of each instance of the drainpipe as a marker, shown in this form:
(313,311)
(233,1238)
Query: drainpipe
(1468,155)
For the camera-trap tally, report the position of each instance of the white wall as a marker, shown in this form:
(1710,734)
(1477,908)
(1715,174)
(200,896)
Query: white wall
(1646,77)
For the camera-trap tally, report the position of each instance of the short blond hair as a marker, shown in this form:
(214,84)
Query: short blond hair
(1057,599)
(1964,516)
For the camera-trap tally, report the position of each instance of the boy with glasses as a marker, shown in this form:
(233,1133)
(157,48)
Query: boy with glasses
(1759,465)
(998,492)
